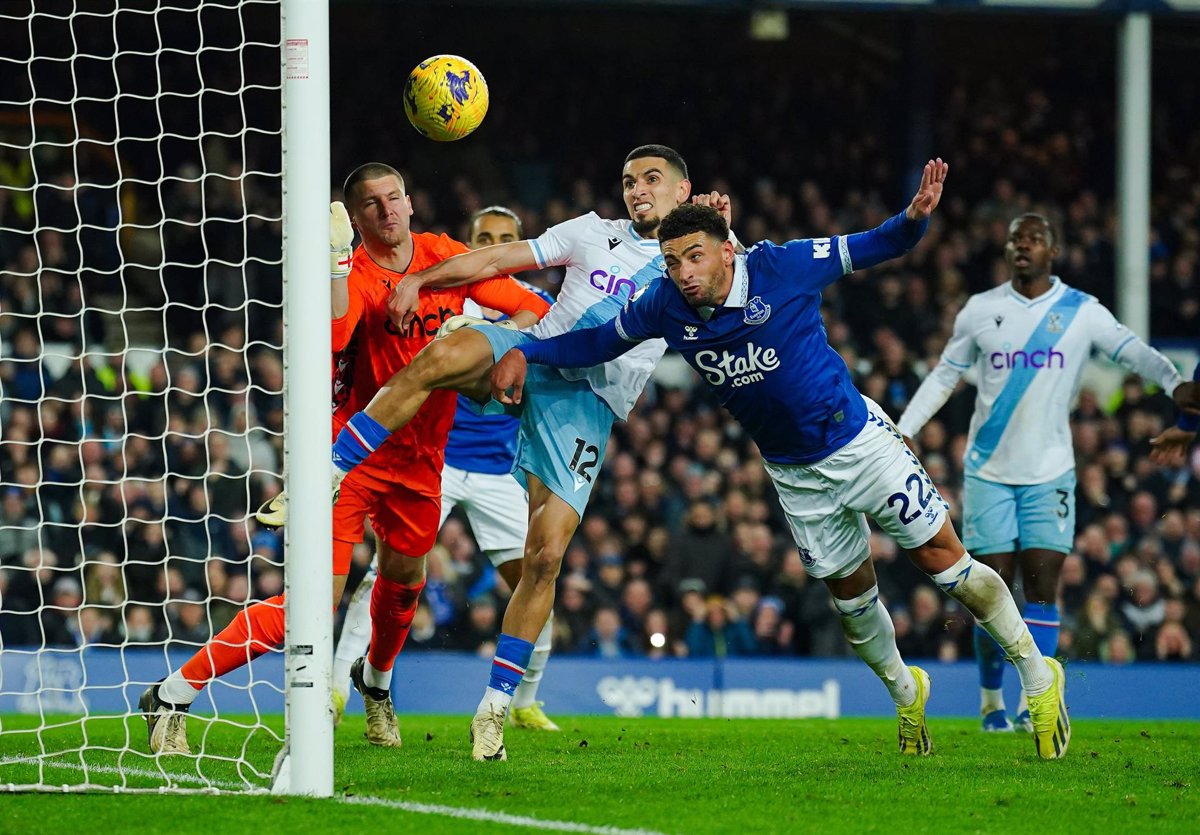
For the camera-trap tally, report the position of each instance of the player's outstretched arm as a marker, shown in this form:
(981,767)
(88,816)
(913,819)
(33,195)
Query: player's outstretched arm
(476,265)
(896,235)
(574,349)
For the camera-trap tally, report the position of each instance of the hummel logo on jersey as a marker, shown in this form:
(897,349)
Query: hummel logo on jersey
(689,332)
(612,243)
(757,311)
(1054,323)
(821,248)
(998,320)
(740,371)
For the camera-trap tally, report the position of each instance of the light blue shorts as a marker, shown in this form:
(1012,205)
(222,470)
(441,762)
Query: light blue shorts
(1007,518)
(564,426)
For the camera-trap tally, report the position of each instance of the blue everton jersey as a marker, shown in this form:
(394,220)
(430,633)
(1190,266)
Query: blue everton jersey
(484,443)
(765,351)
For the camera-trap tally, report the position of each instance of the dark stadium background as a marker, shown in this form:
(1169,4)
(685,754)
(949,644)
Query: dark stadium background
(820,133)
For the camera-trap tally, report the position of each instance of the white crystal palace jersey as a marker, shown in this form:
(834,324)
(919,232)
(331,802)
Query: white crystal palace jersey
(606,263)
(1029,355)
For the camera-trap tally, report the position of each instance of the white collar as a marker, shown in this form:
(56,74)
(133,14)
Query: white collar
(739,290)
(1055,285)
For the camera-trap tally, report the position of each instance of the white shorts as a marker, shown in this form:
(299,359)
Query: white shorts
(875,474)
(497,509)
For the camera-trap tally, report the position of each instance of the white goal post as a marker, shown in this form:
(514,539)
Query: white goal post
(164,346)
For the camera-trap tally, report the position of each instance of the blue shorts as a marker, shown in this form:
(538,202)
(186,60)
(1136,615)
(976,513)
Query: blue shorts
(1007,518)
(564,426)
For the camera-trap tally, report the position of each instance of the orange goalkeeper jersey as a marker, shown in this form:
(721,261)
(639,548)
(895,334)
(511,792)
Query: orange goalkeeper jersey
(369,349)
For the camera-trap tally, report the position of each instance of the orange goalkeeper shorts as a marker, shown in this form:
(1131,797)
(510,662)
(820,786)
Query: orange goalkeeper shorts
(401,517)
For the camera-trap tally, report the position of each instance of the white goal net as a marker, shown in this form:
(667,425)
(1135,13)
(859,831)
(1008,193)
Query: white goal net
(142,382)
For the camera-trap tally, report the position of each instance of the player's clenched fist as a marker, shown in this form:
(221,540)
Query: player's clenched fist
(508,378)
(341,235)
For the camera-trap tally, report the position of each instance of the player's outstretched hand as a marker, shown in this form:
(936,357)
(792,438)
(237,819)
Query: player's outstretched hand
(1170,448)
(403,302)
(1187,396)
(508,377)
(718,201)
(929,194)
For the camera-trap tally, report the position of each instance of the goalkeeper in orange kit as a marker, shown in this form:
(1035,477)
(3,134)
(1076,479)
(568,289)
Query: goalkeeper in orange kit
(401,491)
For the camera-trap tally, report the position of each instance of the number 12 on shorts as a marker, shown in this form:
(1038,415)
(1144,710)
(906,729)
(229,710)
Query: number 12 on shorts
(585,458)
(914,482)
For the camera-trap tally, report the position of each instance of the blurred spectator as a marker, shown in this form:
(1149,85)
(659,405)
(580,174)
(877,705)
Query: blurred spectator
(718,630)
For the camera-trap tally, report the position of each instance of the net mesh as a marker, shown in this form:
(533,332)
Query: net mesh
(141,374)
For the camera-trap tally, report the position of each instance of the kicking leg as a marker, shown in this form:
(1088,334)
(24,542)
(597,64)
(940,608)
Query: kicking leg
(460,361)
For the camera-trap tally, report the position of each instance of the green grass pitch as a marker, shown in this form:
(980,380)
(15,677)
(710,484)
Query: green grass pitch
(604,774)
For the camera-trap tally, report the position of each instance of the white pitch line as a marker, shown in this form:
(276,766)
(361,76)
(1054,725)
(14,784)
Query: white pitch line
(490,816)
(460,812)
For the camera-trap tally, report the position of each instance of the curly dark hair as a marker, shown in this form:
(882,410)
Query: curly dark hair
(689,218)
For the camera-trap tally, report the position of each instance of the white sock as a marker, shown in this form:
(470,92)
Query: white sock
(381,679)
(175,690)
(356,632)
(985,596)
(991,700)
(527,690)
(868,627)
(1023,705)
(494,700)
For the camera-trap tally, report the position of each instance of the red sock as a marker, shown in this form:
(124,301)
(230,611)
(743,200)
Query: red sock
(392,608)
(256,630)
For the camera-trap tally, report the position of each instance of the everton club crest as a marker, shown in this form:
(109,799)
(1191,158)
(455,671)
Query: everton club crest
(757,311)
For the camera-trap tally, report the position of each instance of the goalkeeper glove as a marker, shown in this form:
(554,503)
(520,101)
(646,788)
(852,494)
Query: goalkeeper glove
(462,320)
(341,236)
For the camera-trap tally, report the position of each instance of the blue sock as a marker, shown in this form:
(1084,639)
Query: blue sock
(508,667)
(1043,622)
(990,658)
(361,435)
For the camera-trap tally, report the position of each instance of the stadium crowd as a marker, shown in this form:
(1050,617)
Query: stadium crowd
(127,486)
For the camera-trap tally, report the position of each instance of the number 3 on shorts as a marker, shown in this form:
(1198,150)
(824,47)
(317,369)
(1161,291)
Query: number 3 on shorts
(914,482)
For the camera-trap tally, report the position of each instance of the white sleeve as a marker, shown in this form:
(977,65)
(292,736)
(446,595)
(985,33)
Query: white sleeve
(1116,341)
(935,390)
(556,245)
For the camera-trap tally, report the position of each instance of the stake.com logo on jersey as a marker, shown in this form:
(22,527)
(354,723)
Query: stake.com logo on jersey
(738,370)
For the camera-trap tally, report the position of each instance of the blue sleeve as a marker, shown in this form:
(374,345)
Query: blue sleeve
(890,239)
(1186,422)
(578,349)
(814,263)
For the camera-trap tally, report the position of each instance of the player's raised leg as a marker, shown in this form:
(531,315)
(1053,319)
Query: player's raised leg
(459,361)
(552,523)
